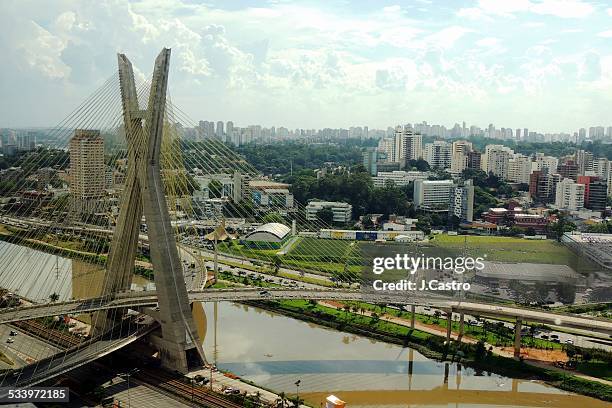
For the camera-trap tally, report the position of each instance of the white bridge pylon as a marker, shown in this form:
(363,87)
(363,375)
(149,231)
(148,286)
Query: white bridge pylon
(143,194)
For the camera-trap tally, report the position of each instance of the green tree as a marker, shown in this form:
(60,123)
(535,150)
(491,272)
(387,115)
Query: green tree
(326,216)
(215,189)
(273,217)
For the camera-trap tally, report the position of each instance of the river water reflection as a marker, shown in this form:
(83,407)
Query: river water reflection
(275,351)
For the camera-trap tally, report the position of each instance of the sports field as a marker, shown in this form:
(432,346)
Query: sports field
(508,249)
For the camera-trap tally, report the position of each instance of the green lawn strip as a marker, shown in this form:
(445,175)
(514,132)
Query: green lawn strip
(599,369)
(497,336)
(508,249)
(306,279)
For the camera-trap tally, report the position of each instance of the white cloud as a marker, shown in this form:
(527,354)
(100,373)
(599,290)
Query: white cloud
(605,34)
(488,42)
(447,37)
(392,9)
(558,8)
(563,8)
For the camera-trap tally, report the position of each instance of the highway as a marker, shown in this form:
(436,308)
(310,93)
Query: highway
(148,298)
(63,362)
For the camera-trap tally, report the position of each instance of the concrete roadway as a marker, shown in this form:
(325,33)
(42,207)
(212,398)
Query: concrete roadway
(148,298)
(25,348)
(43,370)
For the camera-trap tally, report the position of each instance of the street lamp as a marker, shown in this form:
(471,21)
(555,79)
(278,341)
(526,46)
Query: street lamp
(297,392)
(191,380)
(128,375)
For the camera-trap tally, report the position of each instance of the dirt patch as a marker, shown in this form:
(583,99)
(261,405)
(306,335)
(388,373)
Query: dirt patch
(547,356)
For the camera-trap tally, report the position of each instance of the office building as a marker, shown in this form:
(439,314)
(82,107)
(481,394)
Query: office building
(342,211)
(461,201)
(370,158)
(432,194)
(399,178)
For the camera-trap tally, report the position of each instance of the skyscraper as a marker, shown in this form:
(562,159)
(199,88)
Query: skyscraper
(408,145)
(87,175)
(219,132)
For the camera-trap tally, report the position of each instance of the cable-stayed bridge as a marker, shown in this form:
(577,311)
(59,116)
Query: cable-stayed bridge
(130,176)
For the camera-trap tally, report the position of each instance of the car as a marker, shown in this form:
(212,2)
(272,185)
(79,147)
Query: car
(231,391)
(13,333)
(9,340)
(544,337)
(554,336)
(569,341)
(264,293)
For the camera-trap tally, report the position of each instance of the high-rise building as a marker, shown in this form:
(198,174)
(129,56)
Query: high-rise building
(568,169)
(569,195)
(438,154)
(26,141)
(542,185)
(220,135)
(610,181)
(408,145)
(595,192)
(540,161)
(385,146)
(519,169)
(369,160)
(459,156)
(584,161)
(461,201)
(432,194)
(87,170)
(601,166)
(495,160)
(474,160)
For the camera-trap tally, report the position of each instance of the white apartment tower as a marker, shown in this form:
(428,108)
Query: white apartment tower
(519,169)
(386,146)
(438,154)
(569,195)
(495,160)
(408,145)
(459,156)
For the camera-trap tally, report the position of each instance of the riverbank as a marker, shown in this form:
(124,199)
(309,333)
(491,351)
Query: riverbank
(435,347)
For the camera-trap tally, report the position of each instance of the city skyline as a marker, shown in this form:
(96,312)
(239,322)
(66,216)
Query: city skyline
(316,65)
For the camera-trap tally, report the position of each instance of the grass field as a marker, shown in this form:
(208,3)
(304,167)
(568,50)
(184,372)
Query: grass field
(508,249)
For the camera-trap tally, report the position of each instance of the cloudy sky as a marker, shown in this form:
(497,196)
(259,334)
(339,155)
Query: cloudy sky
(542,64)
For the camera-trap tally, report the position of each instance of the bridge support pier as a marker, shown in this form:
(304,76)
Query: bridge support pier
(413,311)
(449,325)
(517,339)
(461,323)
